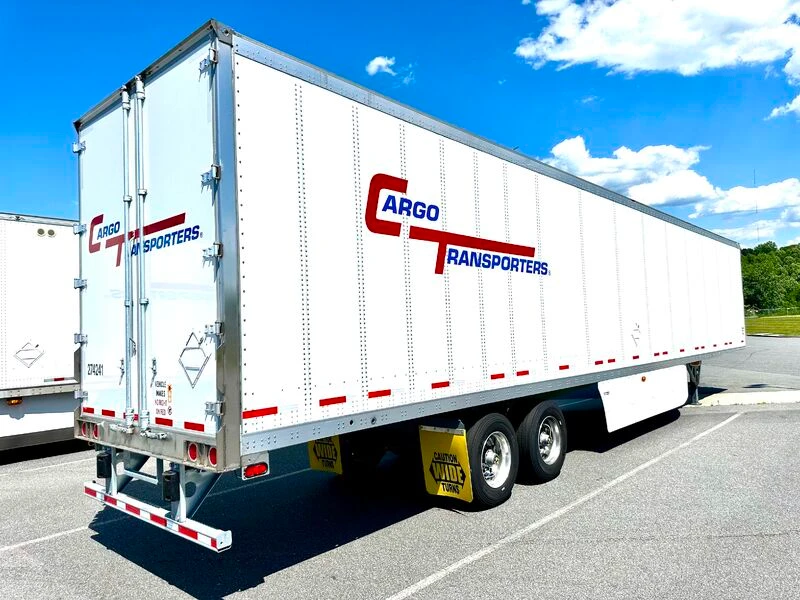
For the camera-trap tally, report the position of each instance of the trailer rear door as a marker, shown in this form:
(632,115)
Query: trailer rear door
(175,358)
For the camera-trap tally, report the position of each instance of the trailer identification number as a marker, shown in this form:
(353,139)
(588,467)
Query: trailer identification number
(95,369)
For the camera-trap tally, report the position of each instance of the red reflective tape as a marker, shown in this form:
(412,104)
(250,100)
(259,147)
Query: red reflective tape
(379,393)
(523,373)
(683,350)
(563,367)
(135,417)
(697,347)
(612,360)
(440,384)
(259,412)
(159,421)
(193,426)
(665,353)
(56,379)
(132,509)
(336,400)
(111,500)
(90,492)
(88,409)
(656,353)
(636,357)
(598,362)
(702,347)
(187,532)
(158,520)
(213,543)
(107,413)
(715,345)
(498,376)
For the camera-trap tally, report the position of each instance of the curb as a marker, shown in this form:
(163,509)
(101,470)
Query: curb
(731,398)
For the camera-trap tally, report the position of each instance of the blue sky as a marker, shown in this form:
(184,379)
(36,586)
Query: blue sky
(673,102)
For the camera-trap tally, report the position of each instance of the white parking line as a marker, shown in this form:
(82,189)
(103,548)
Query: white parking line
(53,536)
(467,560)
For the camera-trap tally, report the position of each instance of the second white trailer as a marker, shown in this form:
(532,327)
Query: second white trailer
(276,256)
(38,323)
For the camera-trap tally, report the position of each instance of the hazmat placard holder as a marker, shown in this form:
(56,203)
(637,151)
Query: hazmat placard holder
(445,462)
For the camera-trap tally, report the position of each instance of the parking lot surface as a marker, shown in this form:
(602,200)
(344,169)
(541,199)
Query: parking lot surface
(698,505)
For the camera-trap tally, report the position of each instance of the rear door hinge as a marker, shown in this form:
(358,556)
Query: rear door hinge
(78,228)
(81,395)
(214,408)
(212,175)
(209,60)
(214,331)
(81,338)
(79,284)
(78,147)
(212,254)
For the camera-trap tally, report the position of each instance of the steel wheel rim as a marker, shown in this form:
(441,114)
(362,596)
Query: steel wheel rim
(496,459)
(550,439)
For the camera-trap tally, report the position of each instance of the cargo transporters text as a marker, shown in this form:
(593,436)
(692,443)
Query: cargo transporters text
(274,256)
(38,323)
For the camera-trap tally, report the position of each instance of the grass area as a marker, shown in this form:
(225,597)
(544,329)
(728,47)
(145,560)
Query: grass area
(781,325)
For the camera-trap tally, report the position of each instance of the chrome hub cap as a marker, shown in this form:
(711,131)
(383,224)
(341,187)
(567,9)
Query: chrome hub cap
(496,454)
(550,440)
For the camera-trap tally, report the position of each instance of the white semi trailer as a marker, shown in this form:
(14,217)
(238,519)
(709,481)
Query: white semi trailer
(275,256)
(38,323)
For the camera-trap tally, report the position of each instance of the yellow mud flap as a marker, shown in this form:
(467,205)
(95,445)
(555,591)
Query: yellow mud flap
(445,462)
(325,454)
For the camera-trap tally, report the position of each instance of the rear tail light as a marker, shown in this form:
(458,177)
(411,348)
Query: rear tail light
(84,429)
(191,451)
(256,470)
(96,431)
(212,457)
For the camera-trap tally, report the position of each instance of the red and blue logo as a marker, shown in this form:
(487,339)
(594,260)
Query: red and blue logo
(108,236)
(452,248)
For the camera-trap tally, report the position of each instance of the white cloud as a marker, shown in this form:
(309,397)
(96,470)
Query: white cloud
(744,199)
(682,36)
(526,2)
(589,100)
(384,64)
(381,64)
(664,175)
(653,175)
(789,107)
(762,230)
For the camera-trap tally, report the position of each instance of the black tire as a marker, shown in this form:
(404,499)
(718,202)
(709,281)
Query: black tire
(534,465)
(485,494)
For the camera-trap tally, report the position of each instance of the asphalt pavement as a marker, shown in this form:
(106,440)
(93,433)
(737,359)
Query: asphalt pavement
(764,364)
(696,503)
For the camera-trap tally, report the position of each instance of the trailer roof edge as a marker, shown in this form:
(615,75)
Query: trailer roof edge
(212,28)
(21,218)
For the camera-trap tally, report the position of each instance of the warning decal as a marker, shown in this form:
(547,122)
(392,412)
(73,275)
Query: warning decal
(163,399)
(446,462)
(325,455)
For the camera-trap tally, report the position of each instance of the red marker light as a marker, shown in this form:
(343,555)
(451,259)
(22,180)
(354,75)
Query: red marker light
(256,470)
(212,457)
(191,451)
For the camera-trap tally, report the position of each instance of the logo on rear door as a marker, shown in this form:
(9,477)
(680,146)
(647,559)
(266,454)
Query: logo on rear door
(172,231)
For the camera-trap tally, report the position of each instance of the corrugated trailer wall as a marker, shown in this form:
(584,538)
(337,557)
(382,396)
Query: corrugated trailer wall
(342,316)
